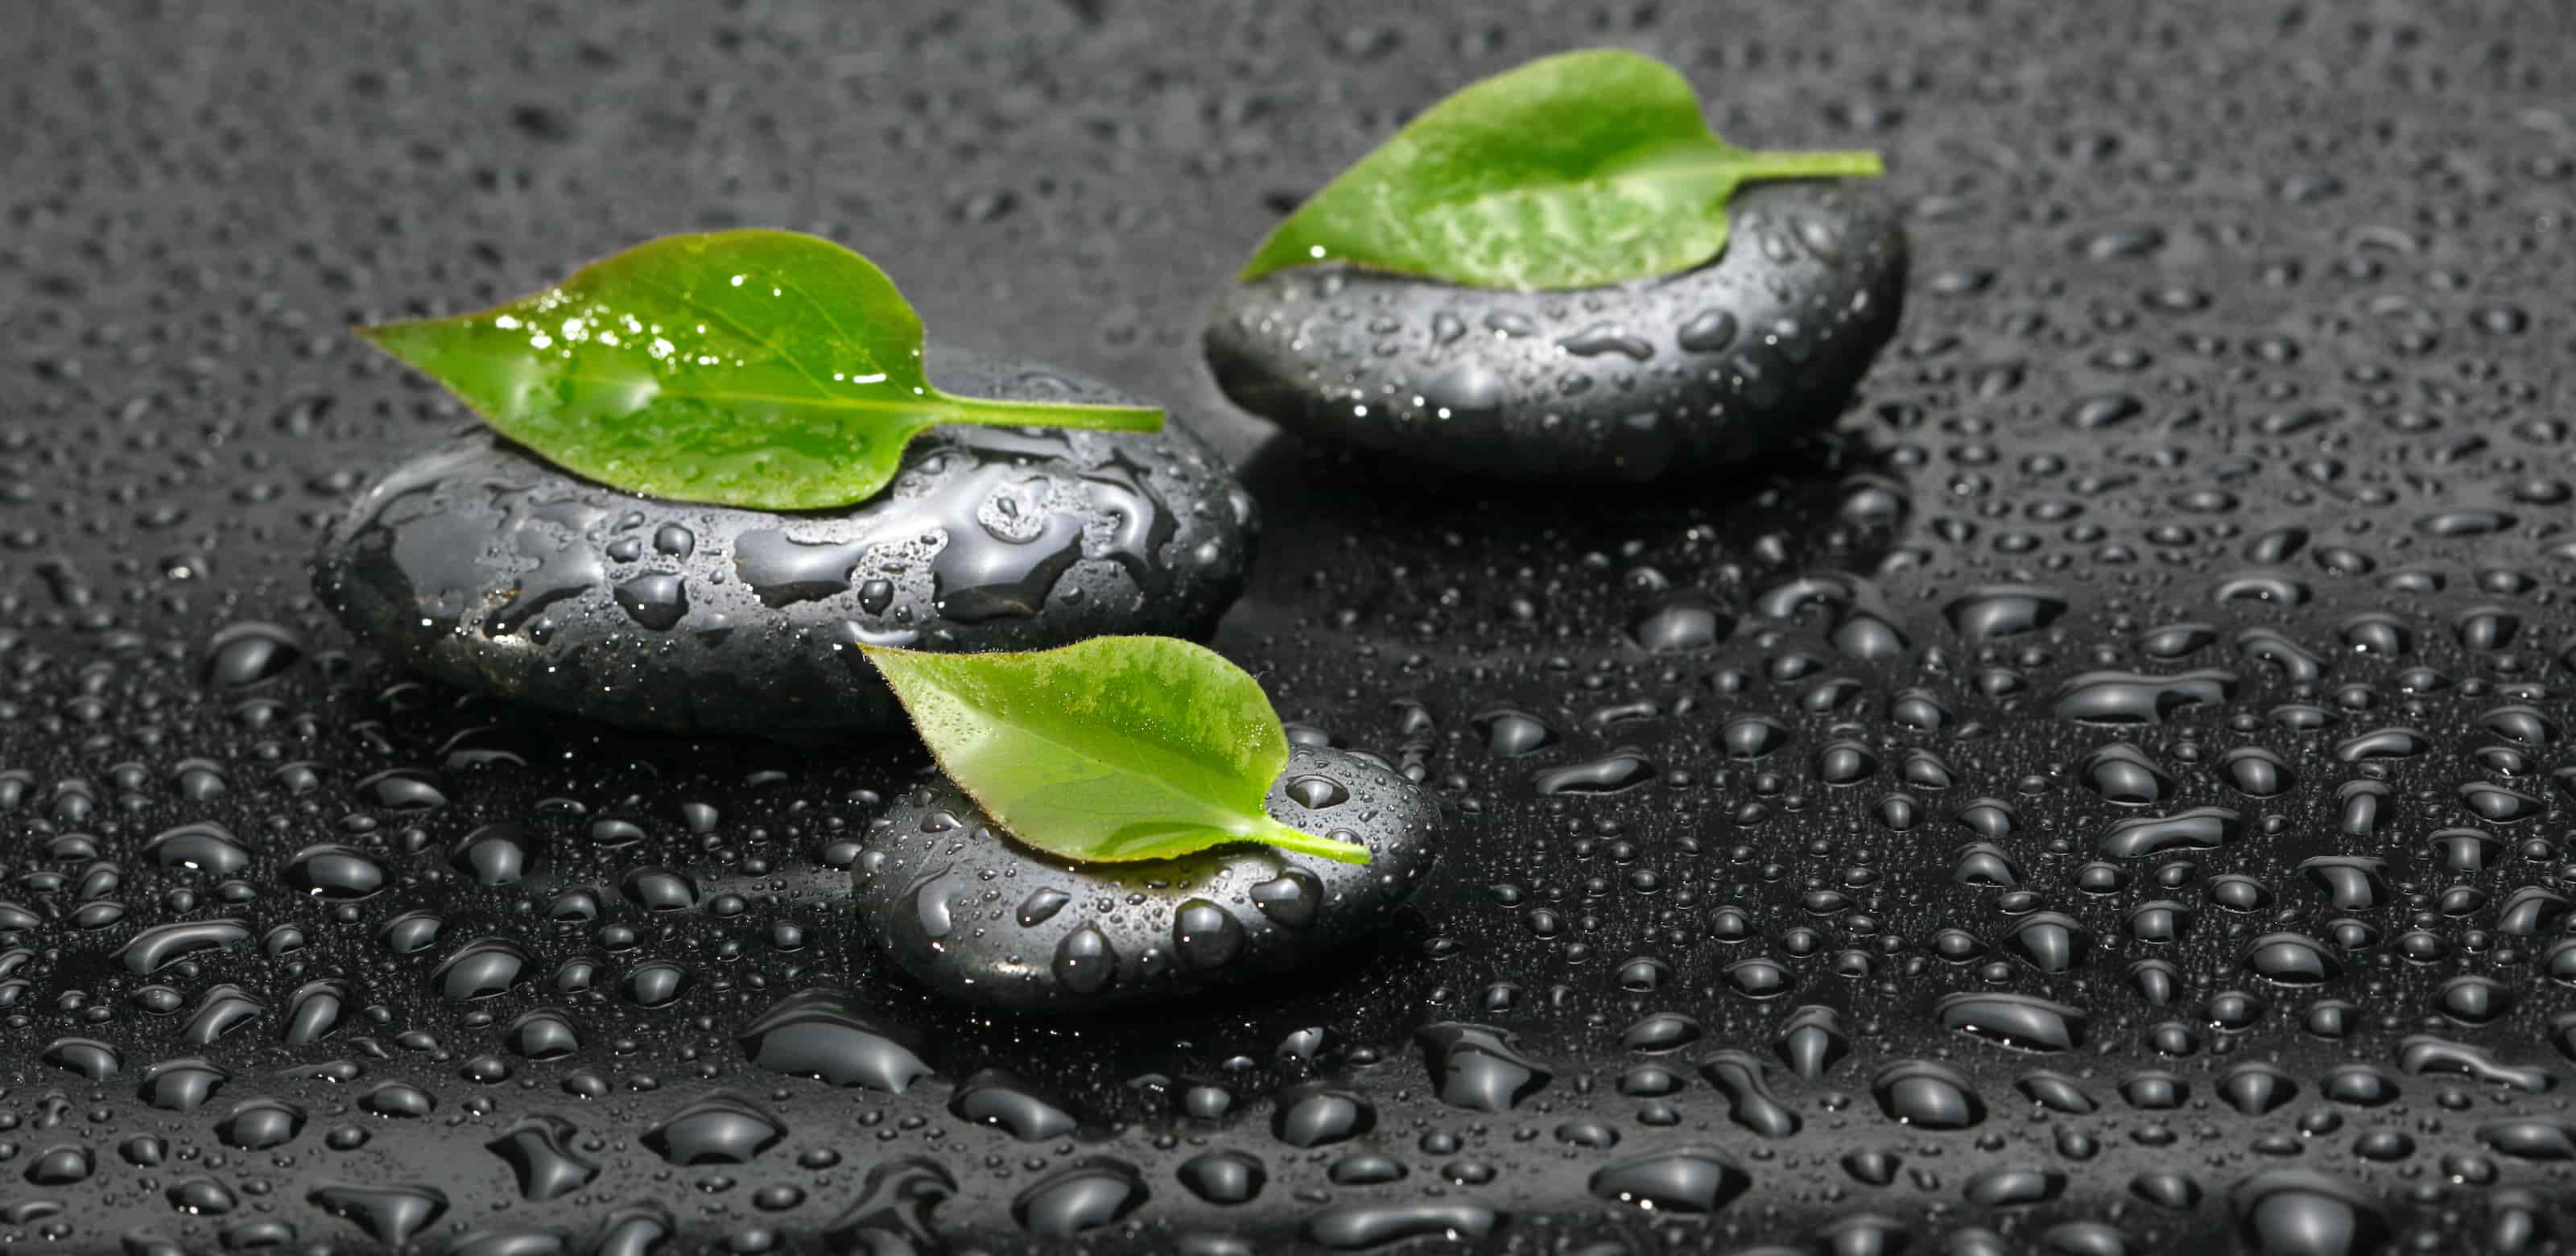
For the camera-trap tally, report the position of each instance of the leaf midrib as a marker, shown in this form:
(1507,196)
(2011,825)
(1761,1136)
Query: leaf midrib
(933,398)
(1256,813)
(686,298)
(1637,171)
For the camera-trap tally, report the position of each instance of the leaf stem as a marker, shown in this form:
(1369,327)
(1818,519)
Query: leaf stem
(1848,164)
(993,413)
(1305,843)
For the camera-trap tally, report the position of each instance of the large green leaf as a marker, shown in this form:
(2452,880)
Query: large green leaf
(1572,171)
(747,368)
(1112,749)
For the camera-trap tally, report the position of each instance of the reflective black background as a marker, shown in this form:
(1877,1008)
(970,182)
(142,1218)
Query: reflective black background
(2235,353)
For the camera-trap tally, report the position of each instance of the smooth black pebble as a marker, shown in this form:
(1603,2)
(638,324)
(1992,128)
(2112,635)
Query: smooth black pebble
(1065,936)
(1627,382)
(482,565)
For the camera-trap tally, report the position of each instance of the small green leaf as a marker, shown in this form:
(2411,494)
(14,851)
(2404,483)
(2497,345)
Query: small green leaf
(1572,171)
(745,368)
(1112,749)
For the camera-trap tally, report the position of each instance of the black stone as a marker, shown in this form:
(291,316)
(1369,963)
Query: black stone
(1065,937)
(1628,382)
(482,565)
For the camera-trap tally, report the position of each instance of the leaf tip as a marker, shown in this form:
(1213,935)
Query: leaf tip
(396,340)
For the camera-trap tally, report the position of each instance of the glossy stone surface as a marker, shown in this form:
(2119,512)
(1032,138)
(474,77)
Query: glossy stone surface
(482,565)
(1636,381)
(979,917)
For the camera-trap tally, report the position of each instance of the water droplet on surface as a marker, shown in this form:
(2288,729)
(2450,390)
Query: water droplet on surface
(2024,1022)
(1079,1198)
(721,1129)
(1318,1115)
(2003,611)
(1478,1067)
(892,1214)
(481,969)
(828,1035)
(998,1099)
(1360,1227)
(537,1149)
(201,847)
(1690,1181)
(1610,774)
(335,872)
(259,1124)
(247,653)
(1684,626)
(2291,959)
(1510,734)
(2294,1212)
(1204,935)
(1084,962)
(392,1215)
(1928,1095)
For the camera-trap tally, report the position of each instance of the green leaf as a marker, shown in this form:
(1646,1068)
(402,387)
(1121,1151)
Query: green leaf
(1112,749)
(745,368)
(1572,171)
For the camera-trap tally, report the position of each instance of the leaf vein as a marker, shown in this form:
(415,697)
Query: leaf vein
(683,296)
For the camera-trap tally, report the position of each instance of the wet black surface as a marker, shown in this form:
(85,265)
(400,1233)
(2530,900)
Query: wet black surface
(2104,800)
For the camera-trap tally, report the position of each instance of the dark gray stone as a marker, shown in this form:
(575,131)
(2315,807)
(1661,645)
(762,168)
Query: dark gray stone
(976,915)
(1622,383)
(482,565)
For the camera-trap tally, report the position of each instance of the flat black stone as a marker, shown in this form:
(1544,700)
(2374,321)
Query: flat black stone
(1066,937)
(1633,381)
(483,565)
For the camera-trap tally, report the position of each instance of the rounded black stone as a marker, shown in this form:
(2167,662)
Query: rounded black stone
(1067,936)
(1626,382)
(480,564)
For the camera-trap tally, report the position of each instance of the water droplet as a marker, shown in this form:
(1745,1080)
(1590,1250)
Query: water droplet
(1079,1198)
(1927,1095)
(259,1124)
(392,1215)
(1689,1181)
(1224,1177)
(335,872)
(250,652)
(2020,1021)
(537,1150)
(1318,1115)
(827,1035)
(998,1099)
(1478,1067)
(2294,1212)
(721,1129)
